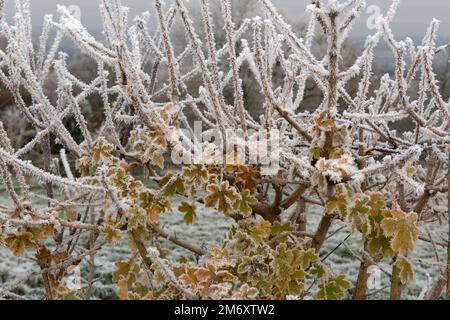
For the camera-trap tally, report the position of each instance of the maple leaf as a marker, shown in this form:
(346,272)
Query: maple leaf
(379,243)
(318,270)
(242,205)
(196,174)
(188,278)
(376,203)
(333,289)
(262,231)
(126,271)
(289,265)
(189,212)
(153,213)
(210,276)
(277,227)
(158,136)
(254,267)
(101,152)
(60,256)
(403,228)
(44,257)
(248,176)
(246,293)
(137,218)
(358,214)
(221,196)
(339,201)
(42,233)
(307,257)
(158,158)
(19,242)
(153,205)
(111,233)
(322,123)
(172,184)
(220,257)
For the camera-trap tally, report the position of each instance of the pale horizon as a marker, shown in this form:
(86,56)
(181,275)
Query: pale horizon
(412,19)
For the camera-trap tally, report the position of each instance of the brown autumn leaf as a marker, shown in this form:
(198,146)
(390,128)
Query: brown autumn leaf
(102,151)
(126,270)
(221,196)
(246,293)
(153,213)
(197,174)
(248,176)
(111,233)
(406,269)
(166,112)
(322,123)
(44,257)
(158,136)
(60,256)
(403,228)
(209,276)
(19,242)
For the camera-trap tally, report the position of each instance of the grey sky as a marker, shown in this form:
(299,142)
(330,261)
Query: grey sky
(412,19)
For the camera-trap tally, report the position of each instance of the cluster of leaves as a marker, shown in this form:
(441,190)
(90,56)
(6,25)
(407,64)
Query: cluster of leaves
(27,238)
(386,232)
(132,205)
(261,261)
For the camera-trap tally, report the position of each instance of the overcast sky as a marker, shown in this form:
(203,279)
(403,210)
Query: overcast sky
(412,19)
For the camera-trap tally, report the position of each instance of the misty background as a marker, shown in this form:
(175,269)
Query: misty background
(412,19)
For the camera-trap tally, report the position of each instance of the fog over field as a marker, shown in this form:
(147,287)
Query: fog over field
(412,19)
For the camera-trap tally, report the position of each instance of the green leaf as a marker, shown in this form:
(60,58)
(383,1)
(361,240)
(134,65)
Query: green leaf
(112,234)
(189,212)
(243,203)
(172,185)
(318,271)
(333,289)
(279,228)
(261,231)
(138,218)
(380,244)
